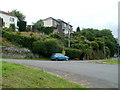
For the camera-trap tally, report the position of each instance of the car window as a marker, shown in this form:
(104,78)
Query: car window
(59,55)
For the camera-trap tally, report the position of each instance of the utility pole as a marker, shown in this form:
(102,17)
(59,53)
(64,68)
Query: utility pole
(118,30)
(68,35)
(104,46)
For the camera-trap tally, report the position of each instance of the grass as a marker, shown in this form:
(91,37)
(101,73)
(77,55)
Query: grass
(26,58)
(4,42)
(0,75)
(18,76)
(109,61)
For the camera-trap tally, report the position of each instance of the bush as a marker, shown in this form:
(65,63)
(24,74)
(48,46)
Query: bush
(47,30)
(73,53)
(12,26)
(10,29)
(54,35)
(22,40)
(94,45)
(61,38)
(47,47)
(39,47)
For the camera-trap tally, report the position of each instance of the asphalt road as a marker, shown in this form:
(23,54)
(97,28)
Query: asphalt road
(89,74)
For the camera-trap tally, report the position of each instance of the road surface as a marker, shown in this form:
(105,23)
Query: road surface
(89,74)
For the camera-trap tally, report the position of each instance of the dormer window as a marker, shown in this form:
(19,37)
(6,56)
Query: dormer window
(11,19)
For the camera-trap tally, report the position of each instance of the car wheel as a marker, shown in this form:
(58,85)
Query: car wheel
(66,59)
(56,59)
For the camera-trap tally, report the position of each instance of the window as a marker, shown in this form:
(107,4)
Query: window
(11,19)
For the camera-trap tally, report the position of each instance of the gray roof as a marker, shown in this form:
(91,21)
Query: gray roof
(51,18)
(58,20)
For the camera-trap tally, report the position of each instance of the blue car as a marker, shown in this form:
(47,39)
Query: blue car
(59,56)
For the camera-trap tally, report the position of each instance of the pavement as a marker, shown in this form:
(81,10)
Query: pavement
(93,75)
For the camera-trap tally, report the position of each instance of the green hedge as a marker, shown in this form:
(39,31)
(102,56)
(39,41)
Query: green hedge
(47,47)
(22,40)
(61,38)
(73,53)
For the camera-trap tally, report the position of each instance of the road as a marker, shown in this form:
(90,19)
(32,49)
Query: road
(89,74)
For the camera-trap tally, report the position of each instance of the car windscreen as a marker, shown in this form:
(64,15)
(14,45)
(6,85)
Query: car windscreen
(59,55)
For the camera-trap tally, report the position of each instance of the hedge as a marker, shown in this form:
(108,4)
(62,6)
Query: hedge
(22,40)
(47,47)
(73,53)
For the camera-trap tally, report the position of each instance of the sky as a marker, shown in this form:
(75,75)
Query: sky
(97,14)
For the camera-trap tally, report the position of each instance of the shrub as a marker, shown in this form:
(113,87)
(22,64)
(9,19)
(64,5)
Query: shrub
(73,53)
(61,38)
(46,47)
(54,35)
(22,40)
(12,26)
(94,45)
(39,47)
(10,29)
(47,30)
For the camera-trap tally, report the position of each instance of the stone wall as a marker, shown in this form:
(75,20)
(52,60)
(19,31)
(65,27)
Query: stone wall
(15,52)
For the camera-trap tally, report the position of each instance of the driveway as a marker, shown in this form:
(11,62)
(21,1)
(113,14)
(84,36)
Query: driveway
(92,75)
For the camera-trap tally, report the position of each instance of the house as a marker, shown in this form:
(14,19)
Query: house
(9,20)
(1,22)
(61,27)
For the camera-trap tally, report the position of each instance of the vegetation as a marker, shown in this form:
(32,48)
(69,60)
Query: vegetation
(18,76)
(26,58)
(95,44)
(109,61)
(18,14)
(73,53)
(4,42)
(83,45)
(78,29)
(10,29)
(46,47)
(21,23)
(22,40)
(87,44)
(39,27)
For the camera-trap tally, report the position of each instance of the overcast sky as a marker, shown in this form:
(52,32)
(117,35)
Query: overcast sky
(97,14)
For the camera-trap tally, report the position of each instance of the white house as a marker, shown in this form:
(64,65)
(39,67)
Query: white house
(8,19)
(61,27)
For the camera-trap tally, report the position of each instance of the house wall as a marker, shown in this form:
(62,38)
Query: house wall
(55,23)
(48,23)
(7,21)
(66,28)
(61,26)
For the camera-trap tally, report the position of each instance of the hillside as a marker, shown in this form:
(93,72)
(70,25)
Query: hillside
(85,44)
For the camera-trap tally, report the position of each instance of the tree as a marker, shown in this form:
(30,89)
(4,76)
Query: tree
(1,22)
(47,30)
(38,25)
(22,25)
(94,45)
(78,29)
(18,14)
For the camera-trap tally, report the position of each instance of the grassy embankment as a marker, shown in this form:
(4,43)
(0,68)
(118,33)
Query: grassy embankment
(109,61)
(18,76)
(26,58)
